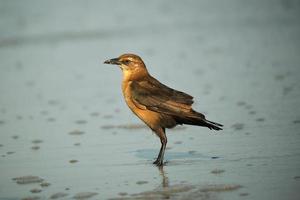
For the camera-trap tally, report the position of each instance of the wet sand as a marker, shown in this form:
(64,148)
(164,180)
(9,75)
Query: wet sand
(66,133)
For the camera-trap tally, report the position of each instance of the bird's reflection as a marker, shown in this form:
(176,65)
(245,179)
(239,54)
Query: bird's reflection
(164,183)
(165,179)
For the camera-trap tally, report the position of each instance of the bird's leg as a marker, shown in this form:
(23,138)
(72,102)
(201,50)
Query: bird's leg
(159,155)
(163,139)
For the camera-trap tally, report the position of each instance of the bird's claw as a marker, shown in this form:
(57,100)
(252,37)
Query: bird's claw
(158,163)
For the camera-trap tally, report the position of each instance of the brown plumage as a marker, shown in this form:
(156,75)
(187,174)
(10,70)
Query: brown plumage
(157,105)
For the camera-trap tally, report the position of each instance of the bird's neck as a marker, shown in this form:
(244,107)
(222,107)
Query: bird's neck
(133,75)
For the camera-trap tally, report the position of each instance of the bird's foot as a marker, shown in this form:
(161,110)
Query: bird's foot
(159,162)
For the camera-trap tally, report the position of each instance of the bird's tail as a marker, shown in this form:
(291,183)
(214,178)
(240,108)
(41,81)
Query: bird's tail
(198,119)
(212,125)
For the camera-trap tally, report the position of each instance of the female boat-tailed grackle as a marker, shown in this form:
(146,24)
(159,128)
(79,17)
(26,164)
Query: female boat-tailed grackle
(157,105)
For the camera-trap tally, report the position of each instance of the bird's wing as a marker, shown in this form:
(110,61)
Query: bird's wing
(153,95)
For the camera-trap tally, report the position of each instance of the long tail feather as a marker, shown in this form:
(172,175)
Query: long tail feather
(199,121)
(213,125)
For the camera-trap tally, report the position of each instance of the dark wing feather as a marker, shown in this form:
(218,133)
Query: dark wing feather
(157,97)
(152,95)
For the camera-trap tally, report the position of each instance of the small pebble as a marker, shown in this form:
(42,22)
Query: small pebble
(141,182)
(35,147)
(35,190)
(37,141)
(297,177)
(260,119)
(217,171)
(252,112)
(123,193)
(45,184)
(220,188)
(84,195)
(238,126)
(51,119)
(15,137)
(58,195)
(76,132)
(241,103)
(27,179)
(192,152)
(73,161)
(19,117)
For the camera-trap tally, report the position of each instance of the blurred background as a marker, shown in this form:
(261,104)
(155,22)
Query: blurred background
(66,132)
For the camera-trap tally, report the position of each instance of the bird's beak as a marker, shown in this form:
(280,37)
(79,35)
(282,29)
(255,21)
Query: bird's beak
(114,61)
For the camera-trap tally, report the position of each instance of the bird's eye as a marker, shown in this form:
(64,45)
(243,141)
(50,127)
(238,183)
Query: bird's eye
(126,62)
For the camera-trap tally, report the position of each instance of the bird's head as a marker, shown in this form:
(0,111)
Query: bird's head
(130,64)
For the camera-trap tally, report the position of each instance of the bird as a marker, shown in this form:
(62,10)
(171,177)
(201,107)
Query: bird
(157,105)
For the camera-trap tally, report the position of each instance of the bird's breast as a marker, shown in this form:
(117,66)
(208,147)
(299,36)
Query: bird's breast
(149,117)
(127,93)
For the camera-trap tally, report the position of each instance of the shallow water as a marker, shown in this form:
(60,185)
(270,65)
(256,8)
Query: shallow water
(66,133)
